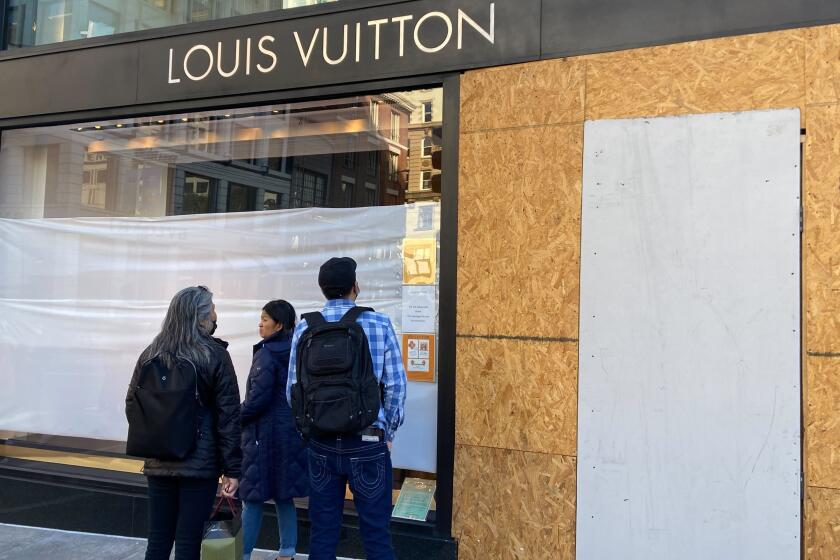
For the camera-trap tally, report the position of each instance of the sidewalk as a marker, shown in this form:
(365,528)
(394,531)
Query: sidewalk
(34,543)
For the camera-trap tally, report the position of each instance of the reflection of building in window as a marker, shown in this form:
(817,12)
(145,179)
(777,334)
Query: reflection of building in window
(41,22)
(370,195)
(347,193)
(374,115)
(241,198)
(217,161)
(196,195)
(310,189)
(427,111)
(95,180)
(426,146)
(395,127)
(272,200)
(301,3)
(393,167)
(425,127)
(425,180)
(372,163)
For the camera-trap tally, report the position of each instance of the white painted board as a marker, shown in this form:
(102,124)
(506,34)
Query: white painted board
(689,410)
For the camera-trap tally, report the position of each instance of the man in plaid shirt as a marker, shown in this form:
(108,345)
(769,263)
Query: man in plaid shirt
(363,459)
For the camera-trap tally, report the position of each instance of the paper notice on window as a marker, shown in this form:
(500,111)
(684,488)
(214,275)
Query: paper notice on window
(418,309)
(420,261)
(419,356)
(415,499)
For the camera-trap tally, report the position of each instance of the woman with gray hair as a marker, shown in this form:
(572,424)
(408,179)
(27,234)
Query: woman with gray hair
(183,465)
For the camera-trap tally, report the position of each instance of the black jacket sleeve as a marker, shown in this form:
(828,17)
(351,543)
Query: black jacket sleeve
(226,417)
(261,382)
(129,395)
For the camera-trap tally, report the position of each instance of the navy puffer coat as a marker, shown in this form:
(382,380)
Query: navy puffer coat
(274,464)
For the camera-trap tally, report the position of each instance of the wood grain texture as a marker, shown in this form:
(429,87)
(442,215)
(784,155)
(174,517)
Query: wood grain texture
(536,93)
(513,505)
(822,524)
(517,394)
(822,64)
(822,421)
(821,232)
(519,231)
(759,71)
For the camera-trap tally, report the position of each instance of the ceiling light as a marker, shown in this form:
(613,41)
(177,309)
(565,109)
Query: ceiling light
(184,119)
(119,125)
(98,127)
(160,122)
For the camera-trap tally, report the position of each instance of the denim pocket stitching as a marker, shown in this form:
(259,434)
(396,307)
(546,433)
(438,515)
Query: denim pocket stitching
(318,480)
(365,487)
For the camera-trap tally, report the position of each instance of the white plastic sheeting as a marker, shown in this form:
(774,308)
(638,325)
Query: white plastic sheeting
(689,412)
(81,297)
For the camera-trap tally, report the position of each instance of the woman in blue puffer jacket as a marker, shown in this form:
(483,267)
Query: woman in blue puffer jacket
(274,462)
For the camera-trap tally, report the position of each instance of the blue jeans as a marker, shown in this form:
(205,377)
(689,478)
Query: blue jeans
(252,513)
(334,461)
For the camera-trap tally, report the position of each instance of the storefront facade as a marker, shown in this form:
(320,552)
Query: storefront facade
(511,87)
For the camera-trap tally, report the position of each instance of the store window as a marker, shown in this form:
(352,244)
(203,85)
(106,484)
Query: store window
(245,200)
(395,126)
(426,146)
(197,195)
(427,111)
(347,192)
(374,115)
(41,22)
(425,180)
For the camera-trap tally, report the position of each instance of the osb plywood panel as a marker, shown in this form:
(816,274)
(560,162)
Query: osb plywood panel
(822,421)
(822,229)
(822,63)
(517,394)
(545,92)
(731,74)
(519,231)
(513,505)
(822,524)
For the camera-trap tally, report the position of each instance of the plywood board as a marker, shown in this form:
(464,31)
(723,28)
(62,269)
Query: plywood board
(518,234)
(822,64)
(822,421)
(822,229)
(517,394)
(689,406)
(822,523)
(730,74)
(536,93)
(513,505)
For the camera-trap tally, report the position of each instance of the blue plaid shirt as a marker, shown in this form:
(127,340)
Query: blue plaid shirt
(387,361)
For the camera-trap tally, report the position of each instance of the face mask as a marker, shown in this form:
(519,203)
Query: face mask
(213,328)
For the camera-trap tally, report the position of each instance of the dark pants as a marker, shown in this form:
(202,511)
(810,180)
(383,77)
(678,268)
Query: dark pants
(178,508)
(334,461)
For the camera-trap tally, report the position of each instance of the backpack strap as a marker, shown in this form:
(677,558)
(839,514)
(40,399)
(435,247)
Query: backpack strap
(351,316)
(313,319)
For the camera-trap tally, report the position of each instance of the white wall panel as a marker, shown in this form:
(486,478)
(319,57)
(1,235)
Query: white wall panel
(689,411)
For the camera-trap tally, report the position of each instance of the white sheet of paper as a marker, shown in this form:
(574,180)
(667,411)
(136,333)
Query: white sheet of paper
(418,309)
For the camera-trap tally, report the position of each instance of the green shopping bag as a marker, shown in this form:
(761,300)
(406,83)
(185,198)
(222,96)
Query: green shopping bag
(223,533)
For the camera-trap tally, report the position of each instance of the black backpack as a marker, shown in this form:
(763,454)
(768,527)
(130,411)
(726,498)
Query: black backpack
(336,390)
(162,410)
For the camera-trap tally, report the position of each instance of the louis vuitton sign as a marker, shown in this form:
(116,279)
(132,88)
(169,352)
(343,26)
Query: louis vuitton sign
(402,39)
